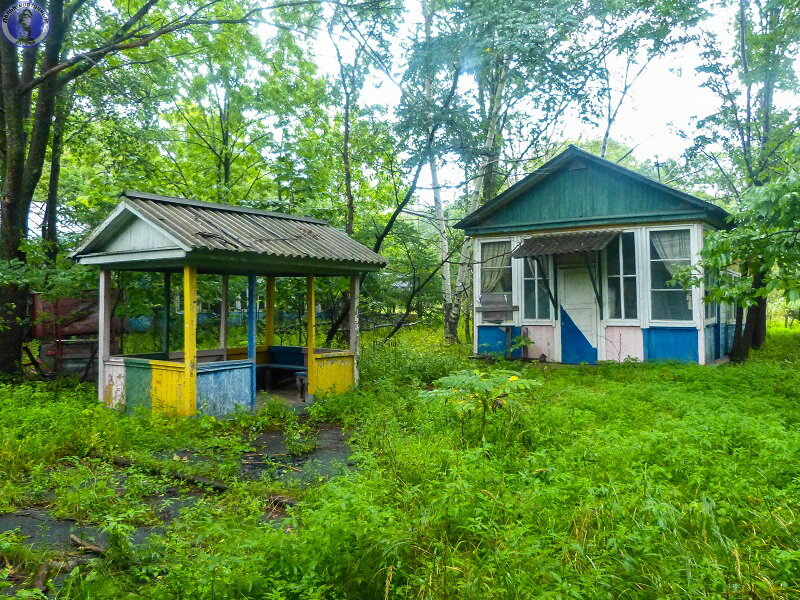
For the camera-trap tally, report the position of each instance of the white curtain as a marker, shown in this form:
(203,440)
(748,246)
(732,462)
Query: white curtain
(671,246)
(495,258)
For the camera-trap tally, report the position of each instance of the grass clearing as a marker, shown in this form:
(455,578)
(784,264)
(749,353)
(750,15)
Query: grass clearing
(614,481)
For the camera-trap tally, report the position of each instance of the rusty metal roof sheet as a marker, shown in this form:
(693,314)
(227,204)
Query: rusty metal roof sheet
(565,242)
(225,230)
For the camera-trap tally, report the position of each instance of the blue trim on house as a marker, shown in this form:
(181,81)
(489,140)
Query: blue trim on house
(575,348)
(726,337)
(670,343)
(496,339)
(712,344)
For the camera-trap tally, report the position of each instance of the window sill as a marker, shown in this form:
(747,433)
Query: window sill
(622,323)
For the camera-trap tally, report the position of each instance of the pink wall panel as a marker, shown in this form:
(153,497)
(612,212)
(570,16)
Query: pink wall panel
(543,341)
(624,342)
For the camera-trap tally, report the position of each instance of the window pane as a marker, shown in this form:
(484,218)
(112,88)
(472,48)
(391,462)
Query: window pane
(670,245)
(496,254)
(711,310)
(628,254)
(496,281)
(530,299)
(495,267)
(672,305)
(612,255)
(614,298)
(630,297)
(530,267)
(544,301)
(661,272)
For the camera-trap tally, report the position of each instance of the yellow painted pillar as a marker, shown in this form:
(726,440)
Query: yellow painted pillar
(311,333)
(187,403)
(270,316)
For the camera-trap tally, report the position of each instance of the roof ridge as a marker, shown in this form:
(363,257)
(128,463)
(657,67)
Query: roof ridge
(147,196)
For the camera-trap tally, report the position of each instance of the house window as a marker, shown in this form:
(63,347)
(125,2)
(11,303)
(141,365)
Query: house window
(669,251)
(496,281)
(711,307)
(537,301)
(621,277)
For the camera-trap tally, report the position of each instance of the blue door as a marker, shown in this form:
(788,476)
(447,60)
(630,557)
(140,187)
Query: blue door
(578,316)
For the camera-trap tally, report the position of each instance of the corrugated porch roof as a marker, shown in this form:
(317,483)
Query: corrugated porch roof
(565,242)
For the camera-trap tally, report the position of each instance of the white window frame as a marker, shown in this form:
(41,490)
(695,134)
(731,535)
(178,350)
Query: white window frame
(637,235)
(717,315)
(698,312)
(519,283)
(476,275)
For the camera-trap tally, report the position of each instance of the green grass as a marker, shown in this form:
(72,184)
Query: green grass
(614,481)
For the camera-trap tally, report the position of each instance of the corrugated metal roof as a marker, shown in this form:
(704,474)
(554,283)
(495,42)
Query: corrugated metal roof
(565,242)
(229,229)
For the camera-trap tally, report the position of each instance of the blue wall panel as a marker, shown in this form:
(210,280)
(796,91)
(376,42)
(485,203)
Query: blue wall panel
(224,387)
(495,339)
(726,337)
(712,333)
(670,343)
(575,348)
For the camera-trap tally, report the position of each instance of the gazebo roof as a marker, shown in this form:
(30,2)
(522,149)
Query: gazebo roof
(151,232)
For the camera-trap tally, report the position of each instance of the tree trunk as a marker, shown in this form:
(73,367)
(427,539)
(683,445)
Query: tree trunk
(450,325)
(760,330)
(481,186)
(25,155)
(754,330)
(50,220)
(348,174)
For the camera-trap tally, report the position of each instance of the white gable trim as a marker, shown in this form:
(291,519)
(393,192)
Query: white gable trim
(117,214)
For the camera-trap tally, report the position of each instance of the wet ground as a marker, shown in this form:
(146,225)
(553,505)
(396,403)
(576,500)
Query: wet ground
(271,457)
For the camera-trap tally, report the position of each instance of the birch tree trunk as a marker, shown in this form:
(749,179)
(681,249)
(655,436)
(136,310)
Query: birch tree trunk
(491,151)
(450,325)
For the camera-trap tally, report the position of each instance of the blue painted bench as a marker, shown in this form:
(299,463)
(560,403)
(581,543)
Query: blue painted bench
(285,358)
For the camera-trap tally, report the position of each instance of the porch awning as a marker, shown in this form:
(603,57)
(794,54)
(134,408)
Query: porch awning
(565,242)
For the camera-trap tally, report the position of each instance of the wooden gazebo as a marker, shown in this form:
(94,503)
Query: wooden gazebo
(148,232)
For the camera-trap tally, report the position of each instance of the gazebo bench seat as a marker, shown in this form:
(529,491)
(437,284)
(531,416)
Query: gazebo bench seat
(285,367)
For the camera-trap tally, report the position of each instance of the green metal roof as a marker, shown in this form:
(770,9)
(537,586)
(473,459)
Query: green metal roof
(578,189)
(152,232)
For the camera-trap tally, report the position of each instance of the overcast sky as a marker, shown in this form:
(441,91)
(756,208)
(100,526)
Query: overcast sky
(663,101)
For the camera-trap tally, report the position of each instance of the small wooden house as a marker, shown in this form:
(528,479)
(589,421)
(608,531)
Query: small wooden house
(573,263)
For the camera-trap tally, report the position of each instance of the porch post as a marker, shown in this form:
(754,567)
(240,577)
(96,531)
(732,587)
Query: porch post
(103,333)
(270,314)
(311,333)
(223,319)
(251,335)
(166,303)
(188,402)
(352,315)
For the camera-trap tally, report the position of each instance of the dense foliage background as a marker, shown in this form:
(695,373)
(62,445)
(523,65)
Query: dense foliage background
(389,119)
